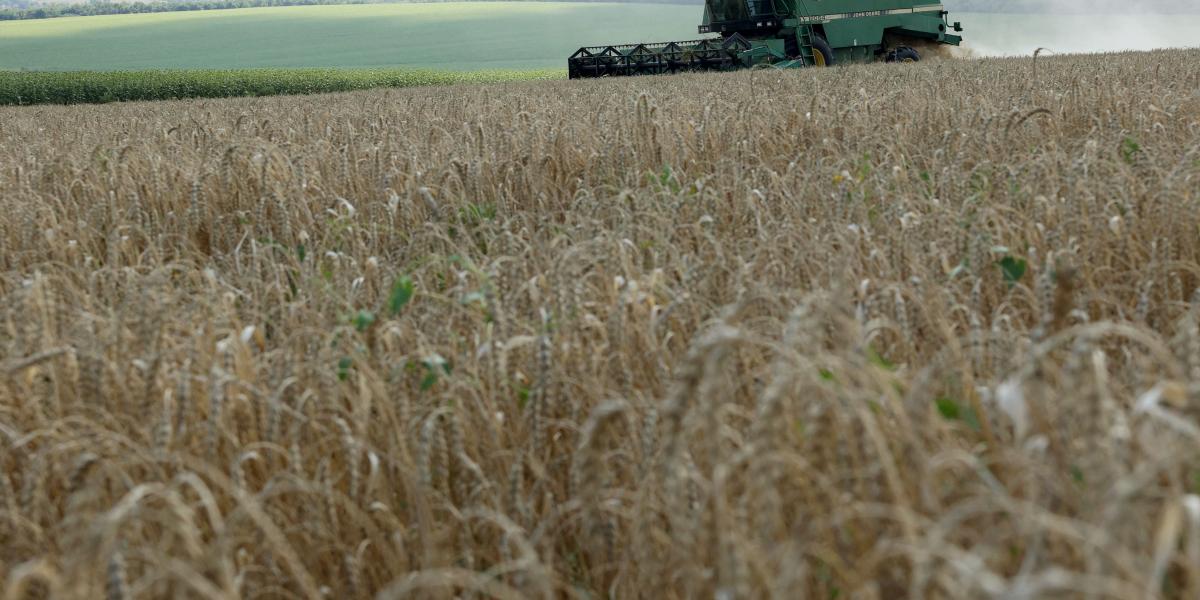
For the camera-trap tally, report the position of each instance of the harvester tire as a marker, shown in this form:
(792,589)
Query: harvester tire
(903,54)
(822,52)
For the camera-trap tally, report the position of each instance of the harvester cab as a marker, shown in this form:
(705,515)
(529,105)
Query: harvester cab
(782,34)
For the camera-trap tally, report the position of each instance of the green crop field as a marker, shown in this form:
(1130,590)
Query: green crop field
(97,87)
(445,36)
(299,50)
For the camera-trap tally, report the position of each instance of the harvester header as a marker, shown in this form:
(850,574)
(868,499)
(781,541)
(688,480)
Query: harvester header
(784,34)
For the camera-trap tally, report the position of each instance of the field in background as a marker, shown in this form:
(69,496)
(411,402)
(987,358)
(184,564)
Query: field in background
(96,87)
(453,35)
(471,36)
(924,331)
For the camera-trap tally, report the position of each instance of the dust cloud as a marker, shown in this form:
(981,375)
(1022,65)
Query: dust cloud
(1079,26)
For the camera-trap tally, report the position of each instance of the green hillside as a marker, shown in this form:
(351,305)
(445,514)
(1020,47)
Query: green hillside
(454,36)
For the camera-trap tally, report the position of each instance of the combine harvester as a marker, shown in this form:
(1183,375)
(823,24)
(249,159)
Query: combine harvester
(784,34)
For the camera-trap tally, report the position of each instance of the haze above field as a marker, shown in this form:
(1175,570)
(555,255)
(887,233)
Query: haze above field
(1075,6)
(478,35)
(990,34)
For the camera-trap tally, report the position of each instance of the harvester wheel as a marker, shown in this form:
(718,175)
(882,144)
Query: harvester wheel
(822,52)
(903,54)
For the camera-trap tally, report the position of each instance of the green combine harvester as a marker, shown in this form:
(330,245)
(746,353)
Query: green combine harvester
(784,34)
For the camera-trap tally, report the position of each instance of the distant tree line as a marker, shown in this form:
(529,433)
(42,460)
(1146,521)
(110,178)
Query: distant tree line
(11,10)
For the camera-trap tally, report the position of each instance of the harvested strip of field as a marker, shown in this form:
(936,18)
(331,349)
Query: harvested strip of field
(923,331)
(91,87)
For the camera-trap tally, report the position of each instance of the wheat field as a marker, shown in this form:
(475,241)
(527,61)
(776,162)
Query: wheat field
(919,331)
